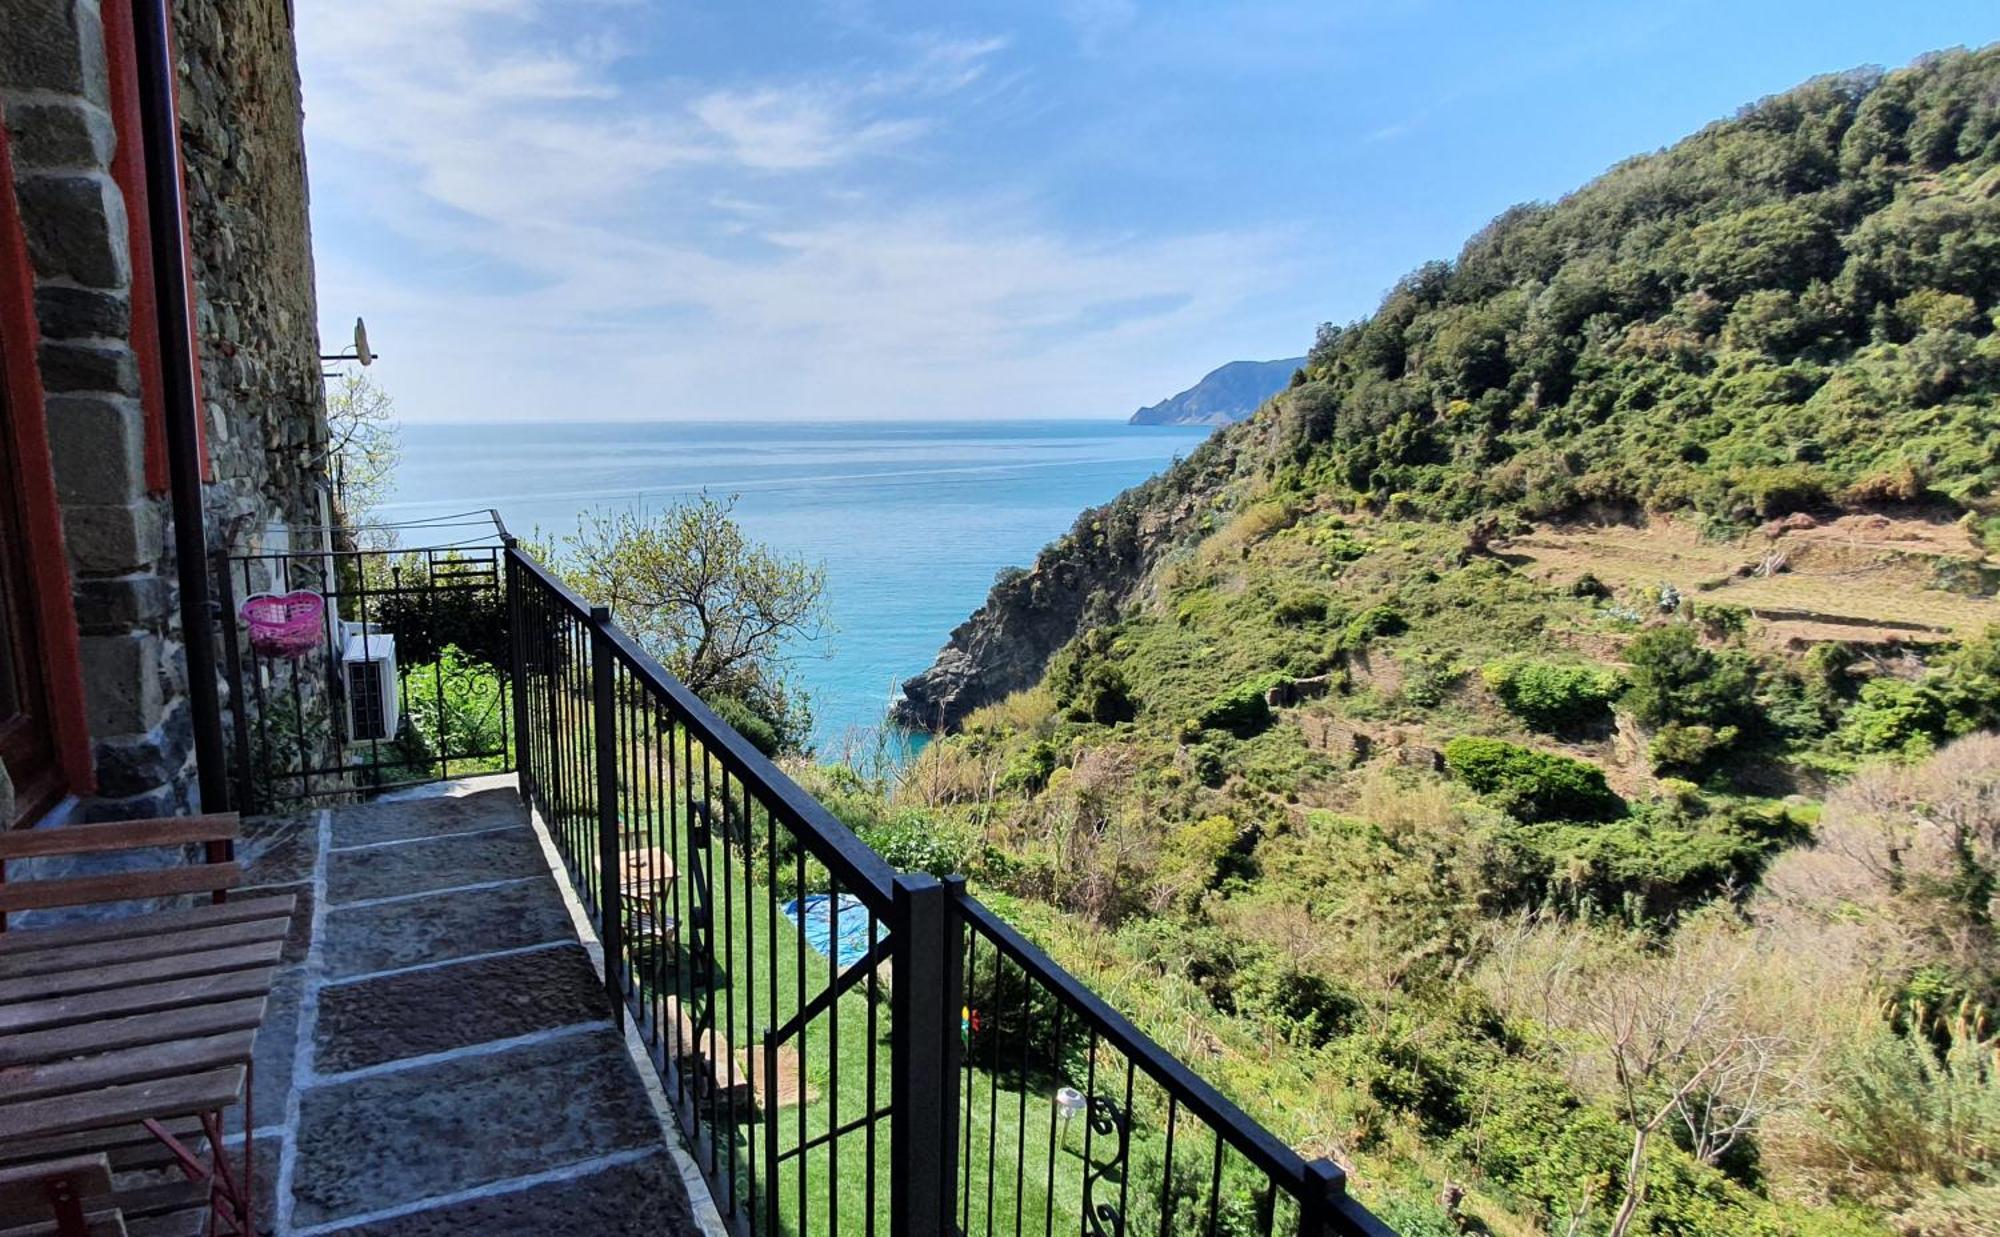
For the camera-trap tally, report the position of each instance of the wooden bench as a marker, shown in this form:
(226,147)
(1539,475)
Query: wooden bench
(135,1034)
(61,1198)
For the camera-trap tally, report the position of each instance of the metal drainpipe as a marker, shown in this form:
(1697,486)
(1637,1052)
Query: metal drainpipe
(166,225)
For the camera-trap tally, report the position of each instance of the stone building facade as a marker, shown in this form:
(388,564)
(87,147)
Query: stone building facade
(68,99)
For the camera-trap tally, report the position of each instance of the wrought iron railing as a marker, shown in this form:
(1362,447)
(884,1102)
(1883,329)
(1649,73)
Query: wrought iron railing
(405,684)
(849,1049)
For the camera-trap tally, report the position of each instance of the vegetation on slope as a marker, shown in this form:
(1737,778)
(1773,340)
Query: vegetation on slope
(1555,903)
(1788,309)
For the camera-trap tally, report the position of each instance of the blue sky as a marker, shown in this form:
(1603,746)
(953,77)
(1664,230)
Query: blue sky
(615,209)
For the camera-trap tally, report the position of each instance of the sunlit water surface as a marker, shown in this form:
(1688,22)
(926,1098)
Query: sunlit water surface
(912,520)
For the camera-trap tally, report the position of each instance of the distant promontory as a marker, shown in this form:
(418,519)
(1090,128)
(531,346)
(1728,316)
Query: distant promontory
(1228,394)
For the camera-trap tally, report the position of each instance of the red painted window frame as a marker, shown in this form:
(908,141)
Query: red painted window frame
(39,513)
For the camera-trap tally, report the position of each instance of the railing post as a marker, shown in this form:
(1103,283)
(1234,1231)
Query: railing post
(517,673)
(1326,1182)
(920,1126)
(603,740)
(952,998)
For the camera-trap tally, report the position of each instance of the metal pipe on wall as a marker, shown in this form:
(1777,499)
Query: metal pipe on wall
(173,284)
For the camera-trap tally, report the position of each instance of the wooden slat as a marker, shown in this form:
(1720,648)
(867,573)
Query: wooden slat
(192,1223)
(151,970)
(119,886)
(110,1069)
(24,1187)
(95,1224)
(140,948)
(162,1097)
(155,923)
(139,999)
(118,835)
(123,1143)
(162,1198)
(111,1034)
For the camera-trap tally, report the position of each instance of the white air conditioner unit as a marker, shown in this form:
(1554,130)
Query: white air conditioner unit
(374,705)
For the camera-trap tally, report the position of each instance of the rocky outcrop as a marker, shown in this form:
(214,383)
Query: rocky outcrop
(1082,580)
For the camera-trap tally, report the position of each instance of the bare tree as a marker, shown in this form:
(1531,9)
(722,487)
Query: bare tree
(1660,1033)
(1911,852)
(363,445)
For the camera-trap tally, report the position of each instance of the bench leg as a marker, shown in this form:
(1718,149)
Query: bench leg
(67,1209)
(229,1197)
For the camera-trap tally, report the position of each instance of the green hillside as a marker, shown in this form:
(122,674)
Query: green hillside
(1790,308)
(1545,758)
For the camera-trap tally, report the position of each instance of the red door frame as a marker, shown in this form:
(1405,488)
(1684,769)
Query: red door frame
(128,169)
(39,513)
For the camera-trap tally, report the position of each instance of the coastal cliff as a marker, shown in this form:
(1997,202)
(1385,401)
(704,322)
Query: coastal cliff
(1082,579)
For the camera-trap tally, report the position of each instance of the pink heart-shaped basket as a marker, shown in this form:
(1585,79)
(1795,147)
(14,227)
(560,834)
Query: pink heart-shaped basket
(284,624)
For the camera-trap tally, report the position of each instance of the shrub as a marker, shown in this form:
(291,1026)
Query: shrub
(1297,609)
(428,620)
(1305,1007)
(1969,685)
(1532,785)
(1548,696)
(1588,585)
(912,843)
(1195,853)
(1211,764)
(1030,768)
(1675,679)
(1899,484)
(1893,717)
(1650,865)
(1242,710)
(1772,492)
(1690,747)
(745,721)
(1902,1109)
(1372,622)
(1103,696)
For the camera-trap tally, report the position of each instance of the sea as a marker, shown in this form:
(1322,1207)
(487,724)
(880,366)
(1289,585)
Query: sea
(912,520)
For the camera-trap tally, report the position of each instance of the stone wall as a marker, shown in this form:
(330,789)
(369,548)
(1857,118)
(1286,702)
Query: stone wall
(256,311)
(256,320)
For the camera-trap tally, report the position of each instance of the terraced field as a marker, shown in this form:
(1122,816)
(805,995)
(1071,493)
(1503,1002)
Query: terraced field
(1862,578)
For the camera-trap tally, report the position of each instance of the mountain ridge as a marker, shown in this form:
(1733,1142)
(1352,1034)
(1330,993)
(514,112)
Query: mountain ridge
(1226,394)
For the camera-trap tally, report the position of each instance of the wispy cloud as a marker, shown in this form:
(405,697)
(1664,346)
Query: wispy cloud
(538,221)
(780,130)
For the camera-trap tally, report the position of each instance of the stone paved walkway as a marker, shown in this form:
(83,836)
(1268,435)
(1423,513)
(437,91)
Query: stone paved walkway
(439,1056)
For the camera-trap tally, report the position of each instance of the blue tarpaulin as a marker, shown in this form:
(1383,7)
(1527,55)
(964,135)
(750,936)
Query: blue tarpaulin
(846,921)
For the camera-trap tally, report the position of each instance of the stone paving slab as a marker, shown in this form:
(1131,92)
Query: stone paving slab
(279,850)
(273,1058)
(373,1143)
(392,821)
(360,939)
(642,1198)
(298,938)
(435,863)
(436,1009)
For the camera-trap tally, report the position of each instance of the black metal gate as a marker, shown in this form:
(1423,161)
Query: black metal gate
(407,681)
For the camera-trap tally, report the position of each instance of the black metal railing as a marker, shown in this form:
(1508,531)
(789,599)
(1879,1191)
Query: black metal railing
(405,683)
(849,1049)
